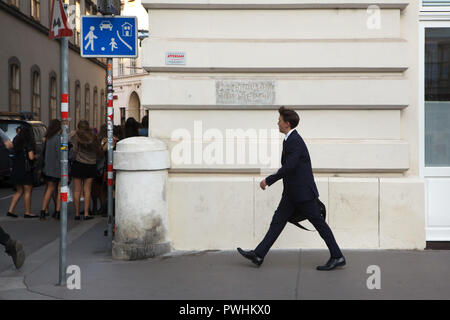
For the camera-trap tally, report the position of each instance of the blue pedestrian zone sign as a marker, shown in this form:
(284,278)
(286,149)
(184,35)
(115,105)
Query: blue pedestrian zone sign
(109,37)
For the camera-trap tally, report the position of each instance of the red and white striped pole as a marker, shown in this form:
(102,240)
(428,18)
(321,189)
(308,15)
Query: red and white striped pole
(110,123)
(64,146)
(64,158)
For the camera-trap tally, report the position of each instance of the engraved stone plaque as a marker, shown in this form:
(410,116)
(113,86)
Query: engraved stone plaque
(245,92)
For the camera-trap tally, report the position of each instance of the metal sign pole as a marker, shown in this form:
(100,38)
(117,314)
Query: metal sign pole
(59,28)
(64,158)
(109,120)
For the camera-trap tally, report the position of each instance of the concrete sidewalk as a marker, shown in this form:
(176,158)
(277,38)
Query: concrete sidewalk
(210,275)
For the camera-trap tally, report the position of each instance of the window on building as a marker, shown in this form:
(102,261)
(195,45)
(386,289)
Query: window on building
(36,9)
(36,95)
(121,66)
(133,66)
(53,98)
(77,30)
(14,3)
(95,110)
(77,103)
(437,97)
(87,104)
(14,87)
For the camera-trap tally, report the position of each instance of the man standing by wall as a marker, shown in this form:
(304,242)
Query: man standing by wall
(299,194)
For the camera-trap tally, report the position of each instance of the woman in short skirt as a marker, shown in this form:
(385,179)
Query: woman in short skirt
(22,174)
(86,150)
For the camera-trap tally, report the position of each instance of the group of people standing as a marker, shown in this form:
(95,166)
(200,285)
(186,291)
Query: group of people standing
(87,170)
(87,166)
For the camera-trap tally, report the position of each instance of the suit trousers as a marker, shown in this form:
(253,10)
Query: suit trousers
(284,212)
(4,237)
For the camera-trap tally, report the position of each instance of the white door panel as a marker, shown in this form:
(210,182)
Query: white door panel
(435,126)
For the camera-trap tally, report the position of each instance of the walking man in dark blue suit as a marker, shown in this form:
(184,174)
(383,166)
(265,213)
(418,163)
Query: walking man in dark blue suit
(299,194)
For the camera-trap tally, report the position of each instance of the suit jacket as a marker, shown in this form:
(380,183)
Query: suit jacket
(296,170)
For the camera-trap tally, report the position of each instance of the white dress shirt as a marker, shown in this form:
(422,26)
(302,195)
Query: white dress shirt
(287,136)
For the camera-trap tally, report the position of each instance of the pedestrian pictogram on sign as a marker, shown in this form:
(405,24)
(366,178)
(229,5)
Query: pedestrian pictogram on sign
(58,24)
(91,36)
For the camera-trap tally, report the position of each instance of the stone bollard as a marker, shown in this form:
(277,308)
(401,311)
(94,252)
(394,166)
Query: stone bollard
(141,213)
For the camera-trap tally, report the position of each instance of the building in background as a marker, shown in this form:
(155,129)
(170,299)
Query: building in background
(371,92)
(30,64)
(128,73)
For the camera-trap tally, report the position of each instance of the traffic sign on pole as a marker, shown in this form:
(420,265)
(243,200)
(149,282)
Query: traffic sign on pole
(59,27)
(109,37)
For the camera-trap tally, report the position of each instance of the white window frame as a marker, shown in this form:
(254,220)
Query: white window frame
(133,66)
(121,66)
(427,172)
(433,8)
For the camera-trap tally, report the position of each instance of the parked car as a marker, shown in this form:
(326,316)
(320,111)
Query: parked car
(9,124)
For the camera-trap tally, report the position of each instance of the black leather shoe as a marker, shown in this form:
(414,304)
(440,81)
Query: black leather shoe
(15,250)
(332,263)
(12,215)
(42,216)
(251,255)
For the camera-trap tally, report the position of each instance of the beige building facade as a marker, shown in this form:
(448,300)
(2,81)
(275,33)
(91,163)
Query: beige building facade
(128,75)
(219,71)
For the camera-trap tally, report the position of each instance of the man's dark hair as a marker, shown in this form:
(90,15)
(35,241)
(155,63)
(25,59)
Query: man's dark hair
(131,128)
(290,116)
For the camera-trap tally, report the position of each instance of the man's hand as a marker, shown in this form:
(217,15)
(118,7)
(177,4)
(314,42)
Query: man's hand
(263,184)
(8,144)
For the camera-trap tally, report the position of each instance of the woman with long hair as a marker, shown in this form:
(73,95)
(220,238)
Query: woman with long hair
(86,150)
(22,170)
(52,166)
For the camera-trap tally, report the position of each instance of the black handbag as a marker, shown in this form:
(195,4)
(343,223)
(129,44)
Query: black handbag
(298,217)
(28,162)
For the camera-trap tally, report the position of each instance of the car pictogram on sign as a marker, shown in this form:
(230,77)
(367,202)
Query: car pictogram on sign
(106,25)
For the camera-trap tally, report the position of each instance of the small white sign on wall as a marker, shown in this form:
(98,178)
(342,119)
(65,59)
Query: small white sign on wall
(178,58)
